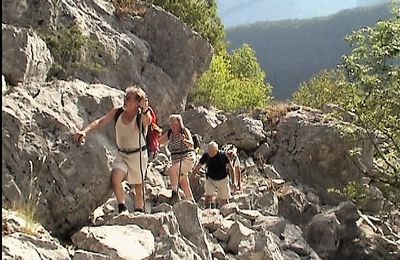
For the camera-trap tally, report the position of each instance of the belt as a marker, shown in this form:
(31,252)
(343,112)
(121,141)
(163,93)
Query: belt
(183,152)
(131,151)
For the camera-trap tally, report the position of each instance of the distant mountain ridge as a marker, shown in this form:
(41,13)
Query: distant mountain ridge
(239,12)
(292,51)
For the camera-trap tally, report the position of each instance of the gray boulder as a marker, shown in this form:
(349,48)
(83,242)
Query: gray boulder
(239,235)
(28,13)
(41,164)
(175,247)
(267,247)
(293,205)
(293,240)
(271,223)
(190,226)
(264,152)
(244,132)
(211,219)
(201,120)
(160,224)
(25,56)
(313,151)
(267,202)
(332,231)
(119,242)
(323,235)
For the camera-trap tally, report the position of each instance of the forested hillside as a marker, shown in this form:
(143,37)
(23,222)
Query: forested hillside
(293,51)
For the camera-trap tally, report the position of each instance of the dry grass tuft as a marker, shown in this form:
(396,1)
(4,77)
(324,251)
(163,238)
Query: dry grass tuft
(275,112)
(123,7)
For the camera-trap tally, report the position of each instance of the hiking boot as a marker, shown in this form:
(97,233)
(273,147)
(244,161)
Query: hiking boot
(139,211)
(122,208)
(174,197)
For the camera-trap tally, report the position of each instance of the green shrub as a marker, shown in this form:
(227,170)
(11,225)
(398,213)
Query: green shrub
(71,51)
(234,81)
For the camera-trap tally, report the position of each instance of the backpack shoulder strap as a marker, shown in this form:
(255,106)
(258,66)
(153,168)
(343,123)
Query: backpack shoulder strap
(117,114)
(138,119)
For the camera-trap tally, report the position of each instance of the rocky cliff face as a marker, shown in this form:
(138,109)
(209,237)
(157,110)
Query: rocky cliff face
(284,211)
(154,49)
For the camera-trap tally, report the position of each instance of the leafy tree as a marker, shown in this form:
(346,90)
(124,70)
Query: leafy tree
(324,88)
(369,85)
(374,68)
(245,65)
(233,81)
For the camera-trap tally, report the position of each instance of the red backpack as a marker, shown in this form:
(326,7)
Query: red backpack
(153,135)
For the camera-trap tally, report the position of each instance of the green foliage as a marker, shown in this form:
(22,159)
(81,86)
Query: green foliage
(71,51)
(374,68)
(233,81)
(324,88)
(371,89)
(244,64)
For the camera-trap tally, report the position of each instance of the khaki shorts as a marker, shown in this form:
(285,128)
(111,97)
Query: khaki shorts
(186,167)
(222,187)
(130,165)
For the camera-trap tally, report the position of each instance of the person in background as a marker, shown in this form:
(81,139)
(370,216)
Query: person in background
(236,178)
(217,176)
(180,144)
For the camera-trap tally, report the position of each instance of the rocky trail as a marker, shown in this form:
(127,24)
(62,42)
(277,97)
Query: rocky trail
(294,160)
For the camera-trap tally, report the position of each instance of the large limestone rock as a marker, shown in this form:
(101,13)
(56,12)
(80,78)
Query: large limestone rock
(313,151)
(190,226)
(25,56)
(128,242)
(40,160)
(239,234)
(28,13)
(328,231)
(267,247)
(293,240)
(201,120)
(244,132)
(174,247)
(160,224)
(271,223)
(294,206)
(154,49)
(323,235)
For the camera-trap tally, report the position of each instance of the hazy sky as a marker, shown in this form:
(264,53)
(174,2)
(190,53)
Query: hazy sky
(235,12)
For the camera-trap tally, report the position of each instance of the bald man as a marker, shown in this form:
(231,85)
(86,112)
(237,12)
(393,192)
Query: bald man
(217,174)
